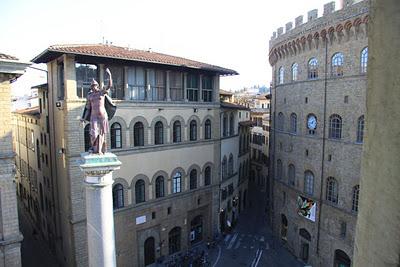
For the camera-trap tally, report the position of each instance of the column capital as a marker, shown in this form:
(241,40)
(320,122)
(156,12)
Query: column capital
(98,167)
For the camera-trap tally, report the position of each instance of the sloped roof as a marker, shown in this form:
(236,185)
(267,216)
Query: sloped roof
(34,111)
(7,57)
(233,106)
(224,92)
(125,53)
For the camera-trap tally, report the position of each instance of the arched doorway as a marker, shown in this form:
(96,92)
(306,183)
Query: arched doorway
(174,240)
(284,227)
(341,259)
(149,251)
(196,229)
(304,244)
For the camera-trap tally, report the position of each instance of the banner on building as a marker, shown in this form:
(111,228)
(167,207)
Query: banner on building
(306,208)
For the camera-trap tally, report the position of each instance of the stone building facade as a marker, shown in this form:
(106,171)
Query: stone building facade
(10,236)
(259,142)
(318,107)
(34,180)
(377,240)
(235,162)
(166,133)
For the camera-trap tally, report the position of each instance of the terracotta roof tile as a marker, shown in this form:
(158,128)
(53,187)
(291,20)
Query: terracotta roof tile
(125,53)
(233,106)
(8,57)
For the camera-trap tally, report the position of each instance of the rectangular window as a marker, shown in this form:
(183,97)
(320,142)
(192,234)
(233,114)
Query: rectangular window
(176,86)
(192,87)
(60,83)
(169,210)
(85,73)
(343,227)
(157,85)
(207,88)
(117,90)
(136,83)
(153,215)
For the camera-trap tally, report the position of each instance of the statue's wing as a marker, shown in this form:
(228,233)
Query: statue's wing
(110,107)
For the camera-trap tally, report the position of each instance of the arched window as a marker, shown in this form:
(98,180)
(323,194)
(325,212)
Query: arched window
(284,227)
(309,183)
(335,126)
(231,125)
(118,196)
(140,191)
(207,129)
(158,133)
(193,179)
(279,169)
(280,75)
(295,69)
(159,186)
(337,65)
(138,134)
(176,183)
(341,259)
(225,126)
(293,123)
(332,190)
(174,240)
(86,135)
(224,168)
(230,165)
(356,193)
(364,60)
(193,130)
(281,121)
(291,175)
(313,68)
(207,176)
(177,132)
(116,138)
(360,129)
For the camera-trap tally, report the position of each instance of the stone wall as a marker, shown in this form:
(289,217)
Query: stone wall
(324,157)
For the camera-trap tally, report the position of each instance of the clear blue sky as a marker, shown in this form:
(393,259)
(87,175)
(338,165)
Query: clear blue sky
(229,33)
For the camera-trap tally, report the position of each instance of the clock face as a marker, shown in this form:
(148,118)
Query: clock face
(312,122)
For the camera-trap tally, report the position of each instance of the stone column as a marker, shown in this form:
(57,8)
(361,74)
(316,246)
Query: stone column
(126,88)
(69,77)
(99,207)
(167,89)
(148,87)
(185,87)
(200,88)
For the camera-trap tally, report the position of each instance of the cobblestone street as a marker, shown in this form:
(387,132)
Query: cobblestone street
(34,250)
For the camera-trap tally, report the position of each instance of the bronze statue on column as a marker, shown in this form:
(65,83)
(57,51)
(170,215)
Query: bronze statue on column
(98,111)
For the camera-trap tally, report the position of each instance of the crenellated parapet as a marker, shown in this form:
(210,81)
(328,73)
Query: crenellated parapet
(333,26)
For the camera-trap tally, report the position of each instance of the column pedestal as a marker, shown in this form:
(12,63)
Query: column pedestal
(99,207)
